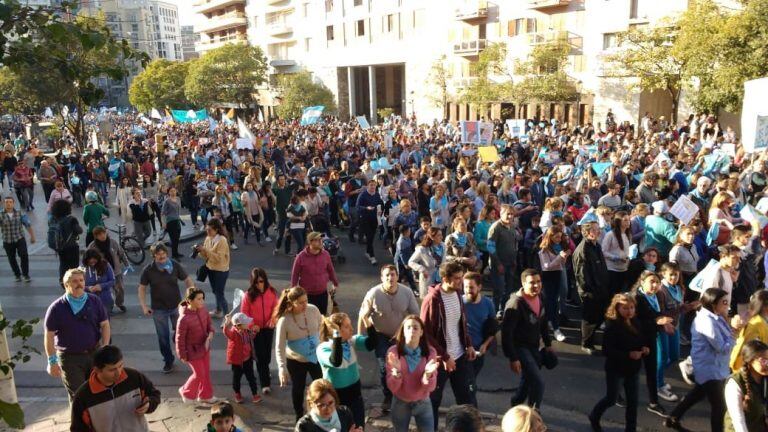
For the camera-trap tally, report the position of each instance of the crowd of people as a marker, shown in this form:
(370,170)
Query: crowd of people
(570,224)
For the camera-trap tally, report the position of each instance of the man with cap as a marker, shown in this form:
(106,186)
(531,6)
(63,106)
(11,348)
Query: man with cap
(659,232)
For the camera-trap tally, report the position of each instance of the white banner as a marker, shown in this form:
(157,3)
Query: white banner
(754,115)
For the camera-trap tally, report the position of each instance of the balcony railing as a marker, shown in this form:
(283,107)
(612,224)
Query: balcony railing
(282,62)
(204,6)
(474,11)
(543,5)
(223,22)
(279,26)
(572,39)
(219,42)
(463,82)
(471,48)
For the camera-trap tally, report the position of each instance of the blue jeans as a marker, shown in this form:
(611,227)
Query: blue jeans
(218,280)
(531,386)
(382,345)
(552,281)
(667,352)
(282,223)
(298,237)
(164,336)
(503,284)
(462,384)
(402,412)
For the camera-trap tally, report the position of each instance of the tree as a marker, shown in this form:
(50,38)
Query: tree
(300,91)
(14,96)
(542,75)
(647,54)
(441,75)
(228,74)
(160,85)
(494,77)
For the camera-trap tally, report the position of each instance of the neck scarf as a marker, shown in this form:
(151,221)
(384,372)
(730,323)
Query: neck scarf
(675,292)
(347,350)
(653,301)
(329,424)
(412,357)
(76,303)
(168,266)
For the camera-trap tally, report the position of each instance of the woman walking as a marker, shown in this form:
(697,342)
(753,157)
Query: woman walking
(99,278)
(553,255)
(425,261)
(215,252)
(745,391)
(260,304)
(171,212)
(194,333)
(298,336)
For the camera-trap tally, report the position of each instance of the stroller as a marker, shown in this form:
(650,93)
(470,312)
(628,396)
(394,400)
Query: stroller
(331,243)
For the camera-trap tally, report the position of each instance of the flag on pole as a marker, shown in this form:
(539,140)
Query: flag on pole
(311,115)
(231,113)
(169,118)
(227,121)
(243,131)
(156,114)
(211,125)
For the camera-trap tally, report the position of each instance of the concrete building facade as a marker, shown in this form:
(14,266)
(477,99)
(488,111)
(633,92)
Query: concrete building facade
(224,22)
(188,41)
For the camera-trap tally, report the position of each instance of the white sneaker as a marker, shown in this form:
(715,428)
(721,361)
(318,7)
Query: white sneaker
(266,390)
(234,247)
(268,239)
(210,401)
(373,260)
(667,387)
(183,399)
(559,336)
(686,370)
(667,395)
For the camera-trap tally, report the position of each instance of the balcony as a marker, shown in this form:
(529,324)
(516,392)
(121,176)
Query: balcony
(471,48)
(222,22)
(279,27)
(282,62)
(220,42)
(574,41)
(473,11)
(463,82)
(276,2)
(205,6)
(546,5)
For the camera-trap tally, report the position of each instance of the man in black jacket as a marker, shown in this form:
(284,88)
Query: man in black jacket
(592,282)
(523,329)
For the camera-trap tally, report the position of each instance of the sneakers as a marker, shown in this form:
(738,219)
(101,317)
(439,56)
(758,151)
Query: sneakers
(238,398)
(620,402)
(266,390)
(559,336)
(122,308)
(589,350)
(372,259)
(168,367)
(268,239)
(216,314)
(234,247)
(256,399)
(210,401)
(673,423)
(183,399)
(275,251)
(686,370)
(656,409)
(18,278)
(27,279)
(667,395)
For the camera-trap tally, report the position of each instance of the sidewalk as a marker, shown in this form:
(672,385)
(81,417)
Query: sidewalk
(39,220)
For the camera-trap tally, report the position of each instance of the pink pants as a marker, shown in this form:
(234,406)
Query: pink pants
(199,384)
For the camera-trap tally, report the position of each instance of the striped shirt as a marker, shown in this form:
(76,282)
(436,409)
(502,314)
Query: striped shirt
(452,305)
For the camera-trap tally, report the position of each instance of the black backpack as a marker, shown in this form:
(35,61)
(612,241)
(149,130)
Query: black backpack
(62,234)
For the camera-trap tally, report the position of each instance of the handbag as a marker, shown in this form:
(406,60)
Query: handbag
(202,273)
(548,359)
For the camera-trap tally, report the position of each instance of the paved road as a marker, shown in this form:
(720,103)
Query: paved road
(571,389)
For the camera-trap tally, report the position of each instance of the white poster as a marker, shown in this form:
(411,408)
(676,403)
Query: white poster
(516,127)
(684,209)
(244,143)
(754,115)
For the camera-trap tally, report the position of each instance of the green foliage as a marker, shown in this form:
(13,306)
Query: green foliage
(12,414)
(440,76)
(14,96)
(228,74)
(494,78)
(543,76)
(160,85)
(299,91)
(384,112)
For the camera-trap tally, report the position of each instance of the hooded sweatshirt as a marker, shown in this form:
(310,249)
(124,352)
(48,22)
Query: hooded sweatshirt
(191,332)
(313,272)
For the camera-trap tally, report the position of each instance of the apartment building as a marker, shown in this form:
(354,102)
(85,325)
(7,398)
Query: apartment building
(224,21)
(380,53)
(188,41)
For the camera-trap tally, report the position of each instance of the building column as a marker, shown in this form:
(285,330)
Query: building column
(372,92)
(351,87)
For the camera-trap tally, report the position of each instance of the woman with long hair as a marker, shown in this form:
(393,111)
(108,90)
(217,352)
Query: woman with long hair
(460,245)
(720,214)
(411,376)
(99,277)
(215,252)
(298,336)
(624,346)
(553,255)
(756,327)
(711,344)
(260,304)
(615,245)
(123,199)
(438,207)
(337,355)
(745,391)
(194,333)
(485,219)
(425,261)
(151,192)
(325,411)
(254,216)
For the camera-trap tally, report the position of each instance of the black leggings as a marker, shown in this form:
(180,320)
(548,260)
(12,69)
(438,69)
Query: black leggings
(649,362)
(174,233)
(714,390)
(262,349)
(298,372)
(156,214)
(245,369)
(352,398)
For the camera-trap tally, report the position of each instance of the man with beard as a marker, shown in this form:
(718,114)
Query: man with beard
(481,318)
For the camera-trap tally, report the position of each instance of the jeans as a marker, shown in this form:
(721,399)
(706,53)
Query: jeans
(612,383)
(255,226)
(368,229)
(282,223)
(462,384)
(164,336)
(199,383)
(531,386)
(142,231)
(218,280)
(298,237)
(649,363)
(667,353)
(173,228)
(383,343)
(298,372)
(269,219)
(24,194)
(68,258)
(502,284)
(244,369)
(477,365)
(20,247)
(75,370)
(262,349)
(714,392)
(551,280)
(118,290)
(354,221)
(402,412)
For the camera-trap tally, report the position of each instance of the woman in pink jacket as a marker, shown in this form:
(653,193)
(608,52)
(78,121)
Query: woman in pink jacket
(411,376)
(260,304)
(194,332)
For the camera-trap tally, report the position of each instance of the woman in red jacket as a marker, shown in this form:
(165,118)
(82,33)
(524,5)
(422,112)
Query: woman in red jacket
(259,304)
(194,333)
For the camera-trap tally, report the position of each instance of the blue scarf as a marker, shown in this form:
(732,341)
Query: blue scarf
(347,350)
(168,266)
(75,303)
(653,301)
(675,292)
(412,357)
(557,247)
(332,423)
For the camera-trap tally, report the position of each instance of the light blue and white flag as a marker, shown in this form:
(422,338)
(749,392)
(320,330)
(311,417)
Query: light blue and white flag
(243,130)
(211,125)
(311,115)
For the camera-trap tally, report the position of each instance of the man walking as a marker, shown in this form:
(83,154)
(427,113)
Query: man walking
(502,244)
(76,324)
(369,205)
(312,270)
(12,225)
(481,318)
(523,330)
(283,192)
(162,276)
(115,397)
(445,326)
(592,282)
(386,305)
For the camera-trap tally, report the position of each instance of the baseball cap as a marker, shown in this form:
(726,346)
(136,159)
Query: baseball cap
(241,318)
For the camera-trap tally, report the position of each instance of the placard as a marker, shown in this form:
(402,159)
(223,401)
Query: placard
(754,116)
(470,132)
(488,154)
(684,209)
(516,127)
(363,122)
(762,205)
(749,213)
(729,149)
(244,143)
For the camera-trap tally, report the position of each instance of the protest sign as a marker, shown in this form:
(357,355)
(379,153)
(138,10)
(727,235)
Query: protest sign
(600,167)
(684,209)
(470,132)
(363,122)
(749,213)
(754,116)
(244,143)
(729,149)
(488,154)
(516,127)
(190,116)
(486,133)
(762,205)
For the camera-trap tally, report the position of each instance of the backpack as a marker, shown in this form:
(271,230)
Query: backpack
(61,235)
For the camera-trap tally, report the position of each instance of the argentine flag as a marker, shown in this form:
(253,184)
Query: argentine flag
(311,115)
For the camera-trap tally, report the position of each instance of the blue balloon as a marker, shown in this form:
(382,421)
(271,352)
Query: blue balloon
(384,163)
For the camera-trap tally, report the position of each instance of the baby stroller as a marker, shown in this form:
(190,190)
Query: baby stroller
(331,243)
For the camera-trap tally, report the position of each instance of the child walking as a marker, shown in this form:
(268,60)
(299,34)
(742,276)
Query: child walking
(240,353)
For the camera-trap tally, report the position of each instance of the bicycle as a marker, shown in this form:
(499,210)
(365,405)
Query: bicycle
(133,250)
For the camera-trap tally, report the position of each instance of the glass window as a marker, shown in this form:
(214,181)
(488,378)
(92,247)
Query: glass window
(609,41)
(329,33)
(360,28)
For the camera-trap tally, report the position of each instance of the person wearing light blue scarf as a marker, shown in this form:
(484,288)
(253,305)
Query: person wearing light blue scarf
(326,411)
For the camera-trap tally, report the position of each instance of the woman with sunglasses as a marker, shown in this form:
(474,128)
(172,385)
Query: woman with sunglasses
(260,303)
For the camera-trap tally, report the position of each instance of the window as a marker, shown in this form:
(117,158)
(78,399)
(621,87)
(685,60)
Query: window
(610,41)
(358,2)
(328,6)
(329,33)
(389,23)
(360,28)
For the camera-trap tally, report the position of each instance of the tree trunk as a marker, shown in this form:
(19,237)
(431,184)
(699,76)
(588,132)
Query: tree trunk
(675,94)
